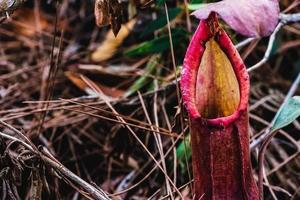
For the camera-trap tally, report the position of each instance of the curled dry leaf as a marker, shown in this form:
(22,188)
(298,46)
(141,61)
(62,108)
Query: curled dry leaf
(111,43)
(102,12)
(249,17)
(109,12)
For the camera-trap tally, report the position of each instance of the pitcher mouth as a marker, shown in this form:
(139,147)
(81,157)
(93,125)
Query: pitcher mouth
(189,75)
(217,92)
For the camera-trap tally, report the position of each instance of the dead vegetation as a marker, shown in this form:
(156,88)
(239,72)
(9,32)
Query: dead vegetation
(75,99)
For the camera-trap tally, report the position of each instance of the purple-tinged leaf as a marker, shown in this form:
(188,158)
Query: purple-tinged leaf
(254,18)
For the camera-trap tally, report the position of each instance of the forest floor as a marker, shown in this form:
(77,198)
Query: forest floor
(83,113)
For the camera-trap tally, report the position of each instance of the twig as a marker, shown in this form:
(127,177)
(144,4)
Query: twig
(16,140)
(94,192)
(269,136)
(19,133)
(269,48)
(290,17)
(48,158)
(267,132)
(284,19)
(244,42)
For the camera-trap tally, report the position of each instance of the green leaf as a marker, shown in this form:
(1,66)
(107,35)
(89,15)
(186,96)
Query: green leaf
(289,112)
(144,79)
(196,1)
(157,45)
(296,67)
(161,2)
(161,21)
(195,6)
(183,153)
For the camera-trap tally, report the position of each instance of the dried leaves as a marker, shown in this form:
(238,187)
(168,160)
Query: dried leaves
(82,82)
(102,12)
(111,43)
(249,17)
(109,12)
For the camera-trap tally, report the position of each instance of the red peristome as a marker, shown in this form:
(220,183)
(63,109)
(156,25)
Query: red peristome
(190,68)
(220,146)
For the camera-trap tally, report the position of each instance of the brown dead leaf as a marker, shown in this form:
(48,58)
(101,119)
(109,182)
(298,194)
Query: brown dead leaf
(109,12)
(76,78)
(111,43)
(102,12)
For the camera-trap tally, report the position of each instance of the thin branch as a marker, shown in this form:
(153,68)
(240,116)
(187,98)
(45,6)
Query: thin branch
(267,132)
(16,140)
(269,48)
(290,17)
(244,42)
(269,136)
(284,19)
(96,193)
(19,133)
(49,159)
